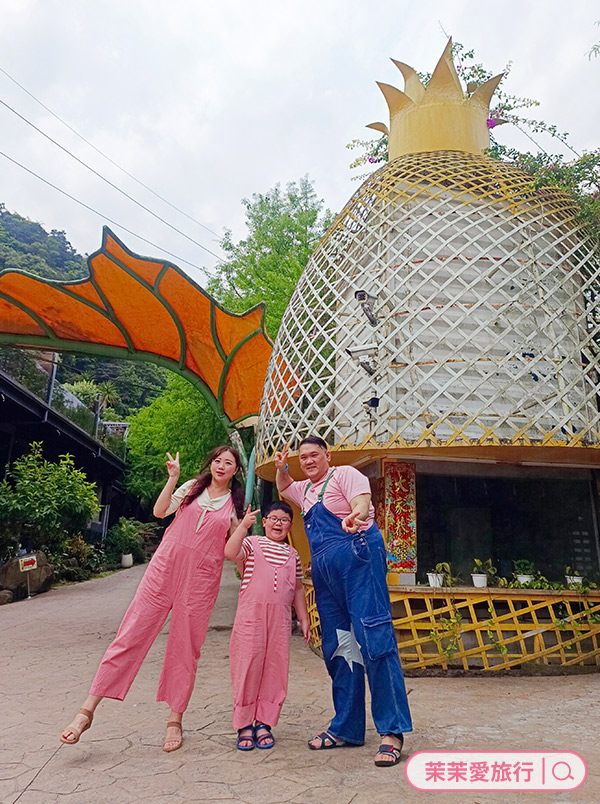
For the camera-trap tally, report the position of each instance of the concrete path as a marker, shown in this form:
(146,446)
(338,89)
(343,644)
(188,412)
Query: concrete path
(51,645)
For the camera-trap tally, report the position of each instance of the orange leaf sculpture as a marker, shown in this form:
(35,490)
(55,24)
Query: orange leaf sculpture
(143,309)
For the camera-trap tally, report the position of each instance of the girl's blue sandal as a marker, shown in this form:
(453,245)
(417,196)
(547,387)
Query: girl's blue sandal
(246,738)
(264,740)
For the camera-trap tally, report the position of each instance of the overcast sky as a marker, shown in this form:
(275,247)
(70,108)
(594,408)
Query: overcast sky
(209,102)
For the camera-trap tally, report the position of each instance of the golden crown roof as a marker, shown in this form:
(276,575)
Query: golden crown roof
(439,117)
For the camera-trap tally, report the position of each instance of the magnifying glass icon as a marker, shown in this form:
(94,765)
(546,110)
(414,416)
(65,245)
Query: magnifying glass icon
(558,778)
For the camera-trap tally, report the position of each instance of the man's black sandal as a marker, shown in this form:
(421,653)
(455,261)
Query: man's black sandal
(327,741)
(390,750)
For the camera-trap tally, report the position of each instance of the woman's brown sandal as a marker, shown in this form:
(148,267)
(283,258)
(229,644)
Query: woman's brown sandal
(176,725)
(77,733)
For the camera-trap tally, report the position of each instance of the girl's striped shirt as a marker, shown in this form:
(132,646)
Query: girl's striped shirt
(276,554)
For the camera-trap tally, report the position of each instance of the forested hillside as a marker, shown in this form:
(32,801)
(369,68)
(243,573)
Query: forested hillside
(27,246)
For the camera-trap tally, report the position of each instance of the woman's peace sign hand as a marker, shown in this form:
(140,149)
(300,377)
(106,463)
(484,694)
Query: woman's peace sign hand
(173,467)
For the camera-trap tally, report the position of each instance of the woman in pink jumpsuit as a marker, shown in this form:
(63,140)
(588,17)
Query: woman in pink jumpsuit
(182,578)
(260,639)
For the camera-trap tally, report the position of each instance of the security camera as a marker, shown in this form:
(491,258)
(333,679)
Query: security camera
(371,403)
(365,350)
(362,296)
(366,301)
(363,356)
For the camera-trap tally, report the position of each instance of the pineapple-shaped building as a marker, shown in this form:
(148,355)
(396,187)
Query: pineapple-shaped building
(444,339)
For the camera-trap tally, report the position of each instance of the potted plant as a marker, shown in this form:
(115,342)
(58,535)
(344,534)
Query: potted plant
(524,569)
(481,570)
(124,542)
(438,574)
(573,576)
(126,560)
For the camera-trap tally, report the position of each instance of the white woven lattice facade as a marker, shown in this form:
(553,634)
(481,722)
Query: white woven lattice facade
(484,324)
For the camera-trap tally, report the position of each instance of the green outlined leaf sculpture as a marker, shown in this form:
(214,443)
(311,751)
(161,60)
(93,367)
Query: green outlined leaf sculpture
(144,309)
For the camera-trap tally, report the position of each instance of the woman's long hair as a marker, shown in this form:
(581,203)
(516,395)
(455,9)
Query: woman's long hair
(204,478)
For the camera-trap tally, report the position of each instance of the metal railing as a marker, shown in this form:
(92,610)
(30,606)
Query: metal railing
(35,371)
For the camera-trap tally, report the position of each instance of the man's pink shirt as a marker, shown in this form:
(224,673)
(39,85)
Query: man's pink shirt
(345,484)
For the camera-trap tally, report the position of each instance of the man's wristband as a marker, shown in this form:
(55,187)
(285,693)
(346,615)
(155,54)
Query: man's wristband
(284,470)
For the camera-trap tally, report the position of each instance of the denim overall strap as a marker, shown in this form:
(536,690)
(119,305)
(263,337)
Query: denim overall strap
(321,493)
(349,577)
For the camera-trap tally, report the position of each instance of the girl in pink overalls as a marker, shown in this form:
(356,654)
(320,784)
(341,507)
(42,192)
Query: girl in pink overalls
(260,640)
(182,578)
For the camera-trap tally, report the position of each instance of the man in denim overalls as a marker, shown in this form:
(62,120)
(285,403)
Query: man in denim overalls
(349,577)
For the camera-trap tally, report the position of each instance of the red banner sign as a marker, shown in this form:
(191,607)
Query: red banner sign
(401,516)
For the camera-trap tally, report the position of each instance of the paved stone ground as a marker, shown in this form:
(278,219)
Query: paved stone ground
(51,646)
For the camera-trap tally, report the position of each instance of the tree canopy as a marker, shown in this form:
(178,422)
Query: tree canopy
(284,226)
(179,420)
(134,383)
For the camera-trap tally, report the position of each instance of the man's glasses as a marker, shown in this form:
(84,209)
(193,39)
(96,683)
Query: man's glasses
(285,520)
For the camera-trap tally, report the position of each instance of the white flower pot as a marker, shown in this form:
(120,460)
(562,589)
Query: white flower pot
(127,560)
(524,578)
(479,579)
(435,578)
(572,579)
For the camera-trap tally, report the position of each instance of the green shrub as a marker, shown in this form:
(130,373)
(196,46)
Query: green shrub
(76,547)
(75,574)
(77,560)
(42,502)
(9,532)
(127,536)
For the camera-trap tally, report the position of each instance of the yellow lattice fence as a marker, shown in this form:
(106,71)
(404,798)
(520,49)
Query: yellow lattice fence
(492,629)
(313,617)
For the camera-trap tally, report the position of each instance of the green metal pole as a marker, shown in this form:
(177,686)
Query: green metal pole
(250,478)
